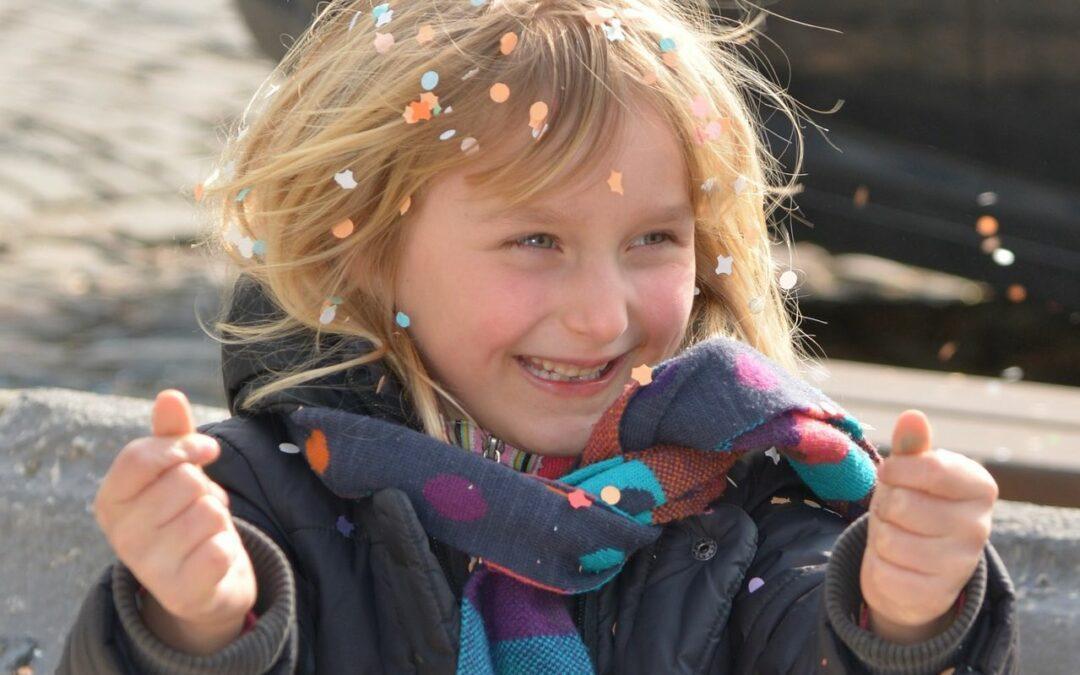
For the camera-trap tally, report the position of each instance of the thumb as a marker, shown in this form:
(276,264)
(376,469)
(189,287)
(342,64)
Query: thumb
(172,414)
(911,435)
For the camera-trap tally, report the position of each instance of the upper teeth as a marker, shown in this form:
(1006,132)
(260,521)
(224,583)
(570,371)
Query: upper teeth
(562,368)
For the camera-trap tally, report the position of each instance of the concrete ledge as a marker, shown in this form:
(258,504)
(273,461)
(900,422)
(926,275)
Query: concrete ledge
(56,444)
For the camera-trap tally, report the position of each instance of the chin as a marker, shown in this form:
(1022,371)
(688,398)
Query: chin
(563,446)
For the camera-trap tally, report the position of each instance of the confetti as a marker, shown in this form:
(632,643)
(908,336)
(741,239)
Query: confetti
(755,583)
(328,314)
(352,24)
(344,526)
(417,111)
(990,244)
(345,179)
(731,481)
(788,280)
(1003,257)
(258,247)
(383,42)
(383,14)
(667,45)
(507,43)
(469,145)
(700,107)
(429,80)
(986,199)
(447,135)
(670,59)
(757,304)
(715,129)
(946,351)
(477,3)
(199,192)
(246,246)
(242,194)
(614,181)
(709,185)
(1016,293)
(613,30)
(405,205)
(343,229)
(987,226)
(643,374)
(723,264)
(811,503)
(402,319)
(538,112)
(779,500)
(610,494)
(469,74)
(288,448)
(425,34)
(697,291)
(578,499)
(773,454)
(740,185)
(499,92)
(861,197)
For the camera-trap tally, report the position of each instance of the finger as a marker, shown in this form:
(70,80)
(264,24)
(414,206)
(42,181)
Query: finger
(929,556)
(142,461)
(942,473)
(166,498)
(210,562)
(911,435)
(202,519)
(915,596)
(172,415)
(922,513)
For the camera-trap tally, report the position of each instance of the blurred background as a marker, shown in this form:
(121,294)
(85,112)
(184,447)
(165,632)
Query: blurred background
(937,262)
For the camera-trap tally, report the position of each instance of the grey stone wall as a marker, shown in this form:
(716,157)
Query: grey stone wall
(56,444)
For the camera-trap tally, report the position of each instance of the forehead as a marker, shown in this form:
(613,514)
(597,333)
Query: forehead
(635,165)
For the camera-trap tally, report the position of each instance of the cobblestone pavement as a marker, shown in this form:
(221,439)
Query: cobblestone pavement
(111,110)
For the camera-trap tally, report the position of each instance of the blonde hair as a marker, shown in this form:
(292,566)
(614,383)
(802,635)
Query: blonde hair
(335,102)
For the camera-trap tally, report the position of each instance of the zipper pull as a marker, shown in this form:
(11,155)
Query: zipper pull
(493,448)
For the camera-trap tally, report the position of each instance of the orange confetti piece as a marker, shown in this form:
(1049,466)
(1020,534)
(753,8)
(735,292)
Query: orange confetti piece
(318,455)
(579,500)
(383,42)
(425,34)
(1016,293)
(200,192)
(507,43)
(643,374)
(650,78)
(610,494)
(343,229)
(987,226)
(670,59)
(499,92)
(405,205)
(615,182)
(416,111)
(538,112)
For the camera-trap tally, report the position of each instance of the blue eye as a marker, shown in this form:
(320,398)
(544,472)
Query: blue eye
(518,243)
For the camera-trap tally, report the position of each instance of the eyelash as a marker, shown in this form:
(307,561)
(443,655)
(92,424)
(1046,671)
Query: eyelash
(517,242)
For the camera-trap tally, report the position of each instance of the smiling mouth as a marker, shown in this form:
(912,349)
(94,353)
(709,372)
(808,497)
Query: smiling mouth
(556,373)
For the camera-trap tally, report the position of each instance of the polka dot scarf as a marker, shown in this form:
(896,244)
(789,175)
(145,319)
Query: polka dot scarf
(660,453)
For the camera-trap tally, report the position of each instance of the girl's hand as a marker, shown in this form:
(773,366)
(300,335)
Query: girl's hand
(930,518)
(170,525)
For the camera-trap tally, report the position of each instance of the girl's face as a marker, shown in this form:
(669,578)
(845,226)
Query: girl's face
(589,275)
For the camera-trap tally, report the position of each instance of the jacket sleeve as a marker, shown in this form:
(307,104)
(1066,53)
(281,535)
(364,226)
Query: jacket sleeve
(797,608)
(109,636)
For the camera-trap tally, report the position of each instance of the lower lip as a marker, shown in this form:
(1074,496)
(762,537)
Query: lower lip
(588,388)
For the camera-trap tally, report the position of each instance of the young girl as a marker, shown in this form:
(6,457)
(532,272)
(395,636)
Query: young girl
(516,389)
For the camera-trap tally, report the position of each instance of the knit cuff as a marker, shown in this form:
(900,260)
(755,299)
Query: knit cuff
(843,598)
(252,653)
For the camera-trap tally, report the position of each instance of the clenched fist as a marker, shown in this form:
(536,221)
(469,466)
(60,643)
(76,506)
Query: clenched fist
(170,525)
(929,521)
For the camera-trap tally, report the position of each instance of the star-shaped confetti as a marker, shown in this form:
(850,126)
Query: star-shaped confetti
(383,42)
(723,264)
(345,179)
(417,111)
(425,34)
(344,526)
(613,30)
(774,454)
(614,181)
(643,374)
(578,499)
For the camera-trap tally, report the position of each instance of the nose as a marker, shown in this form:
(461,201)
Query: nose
(595,302)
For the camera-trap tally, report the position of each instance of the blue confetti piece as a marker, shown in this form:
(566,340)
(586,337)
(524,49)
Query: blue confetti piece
(243,193)
(402,319)
(667,45)
(344,526)
(379,10)
(259,247)
(477,3)
(429,80)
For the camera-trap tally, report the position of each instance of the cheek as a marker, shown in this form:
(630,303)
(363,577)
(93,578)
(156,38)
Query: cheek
(666,299)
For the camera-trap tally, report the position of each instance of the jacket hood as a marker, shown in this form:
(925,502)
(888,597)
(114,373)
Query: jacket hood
(246,367)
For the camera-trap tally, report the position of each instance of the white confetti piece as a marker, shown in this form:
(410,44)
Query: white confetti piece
(447,135)
(328,314)
(755,583)
(288,448)
(1004,257)
(811,503)
(345,179)
(740,185)
(723,264)
(774,454)
(757,304)
(788,280)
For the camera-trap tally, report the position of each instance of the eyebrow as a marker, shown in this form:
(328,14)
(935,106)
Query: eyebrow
(546,215)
